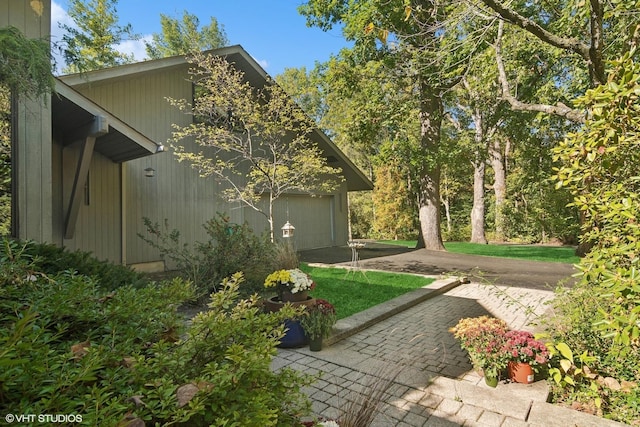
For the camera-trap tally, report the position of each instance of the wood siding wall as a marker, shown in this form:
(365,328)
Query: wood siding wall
(32,133)
(176,193)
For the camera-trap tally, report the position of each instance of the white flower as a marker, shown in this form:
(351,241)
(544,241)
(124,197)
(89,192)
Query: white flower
(301,281)
(329,424)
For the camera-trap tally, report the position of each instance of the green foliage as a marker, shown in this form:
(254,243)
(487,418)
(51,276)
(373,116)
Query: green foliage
(598,164)
(63,332)
(361,214)
(69,347)
(395,216)
(566,370)
(230,248)
(25,64)
(91,44)
(5,160)
(318,319)
(255,141)
(50,259)
(183,37)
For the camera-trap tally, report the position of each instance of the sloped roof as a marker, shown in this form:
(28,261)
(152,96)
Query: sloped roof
(256,76)
(72,114)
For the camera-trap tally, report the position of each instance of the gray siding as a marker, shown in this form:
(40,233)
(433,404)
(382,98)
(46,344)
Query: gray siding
(32,157)
(176,193)
(98,228)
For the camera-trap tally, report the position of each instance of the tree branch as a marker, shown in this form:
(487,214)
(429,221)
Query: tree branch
(591,52)
(559,109)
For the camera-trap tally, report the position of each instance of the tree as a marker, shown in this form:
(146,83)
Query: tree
(254,141)
(183,37)
(423,51)
(590,32)
(93,44)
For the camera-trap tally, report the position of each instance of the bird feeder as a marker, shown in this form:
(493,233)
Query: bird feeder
(287,230)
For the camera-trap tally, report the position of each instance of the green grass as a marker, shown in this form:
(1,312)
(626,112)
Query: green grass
(354,292)
(564,254)
(406,243)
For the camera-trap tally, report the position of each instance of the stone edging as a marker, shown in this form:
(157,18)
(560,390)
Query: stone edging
(357,322)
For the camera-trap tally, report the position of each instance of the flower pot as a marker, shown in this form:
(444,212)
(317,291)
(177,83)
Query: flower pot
(315,344)
(491,381)
(274,304)
(294,335)
(520,372)
(297,297)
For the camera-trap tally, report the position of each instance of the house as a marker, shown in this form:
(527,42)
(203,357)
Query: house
(104,133)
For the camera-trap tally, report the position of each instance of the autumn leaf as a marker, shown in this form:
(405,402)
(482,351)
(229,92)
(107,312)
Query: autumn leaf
(80,350)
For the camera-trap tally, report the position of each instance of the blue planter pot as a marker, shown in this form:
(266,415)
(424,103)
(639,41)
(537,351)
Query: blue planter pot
(294,336)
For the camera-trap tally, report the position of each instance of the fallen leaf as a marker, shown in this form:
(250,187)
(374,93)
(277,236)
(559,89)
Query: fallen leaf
(185,393)
(612,383)
(80,350)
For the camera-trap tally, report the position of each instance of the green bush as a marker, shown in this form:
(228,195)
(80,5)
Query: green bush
(51,259)
(230,248)
(67,346)
(599,316)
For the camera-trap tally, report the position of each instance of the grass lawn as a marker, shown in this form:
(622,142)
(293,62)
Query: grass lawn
(356,292)
(565,254)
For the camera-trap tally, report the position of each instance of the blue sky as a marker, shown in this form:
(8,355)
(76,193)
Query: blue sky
(271,31)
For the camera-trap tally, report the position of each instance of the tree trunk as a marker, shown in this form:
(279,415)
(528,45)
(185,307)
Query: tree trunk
(499,186)
(270,219)
(479,165)
(431,110)
(477,211)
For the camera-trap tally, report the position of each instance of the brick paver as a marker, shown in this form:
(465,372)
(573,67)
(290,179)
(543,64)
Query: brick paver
(433,384)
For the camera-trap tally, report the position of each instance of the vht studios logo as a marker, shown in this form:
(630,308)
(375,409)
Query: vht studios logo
(42,418)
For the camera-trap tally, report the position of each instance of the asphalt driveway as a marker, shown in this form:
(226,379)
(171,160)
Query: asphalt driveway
(501,271)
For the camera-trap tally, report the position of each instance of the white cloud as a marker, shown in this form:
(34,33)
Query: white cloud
(135,47)
(59,17)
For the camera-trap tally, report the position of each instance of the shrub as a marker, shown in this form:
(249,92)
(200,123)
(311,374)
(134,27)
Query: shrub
(51,259)
(230,248)
(67,346)
(598,318)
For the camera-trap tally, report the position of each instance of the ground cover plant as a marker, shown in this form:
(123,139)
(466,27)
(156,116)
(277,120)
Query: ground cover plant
(124,356)
(351,292)
(564,254)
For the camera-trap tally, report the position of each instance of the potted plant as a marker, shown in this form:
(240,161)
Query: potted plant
(484,339)
(317,322)
(525,354)
(291,285)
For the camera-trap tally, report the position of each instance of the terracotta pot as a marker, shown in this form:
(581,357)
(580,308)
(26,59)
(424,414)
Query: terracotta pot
(315,344)
(520,372)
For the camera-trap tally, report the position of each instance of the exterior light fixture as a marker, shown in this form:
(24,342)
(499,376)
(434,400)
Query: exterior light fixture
(149,172)
(287,230)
